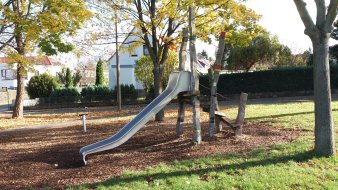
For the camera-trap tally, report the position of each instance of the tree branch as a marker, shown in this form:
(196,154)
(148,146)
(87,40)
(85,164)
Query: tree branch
(331,15)
(7,43)
(321,10)
(310,27)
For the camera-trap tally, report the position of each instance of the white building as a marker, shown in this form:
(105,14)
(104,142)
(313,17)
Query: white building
(40,65)
(127,62)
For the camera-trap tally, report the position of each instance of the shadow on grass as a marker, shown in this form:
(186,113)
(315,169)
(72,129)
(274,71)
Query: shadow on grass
(299,157)
(283,115)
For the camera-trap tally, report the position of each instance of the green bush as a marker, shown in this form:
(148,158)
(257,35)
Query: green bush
(150,94)
(127,92)
(62,95)
(94,93)
(41,86)
(276,80)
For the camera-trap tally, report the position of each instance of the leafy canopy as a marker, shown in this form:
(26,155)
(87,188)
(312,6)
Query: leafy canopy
(162,20)
(264,49)
(27,26)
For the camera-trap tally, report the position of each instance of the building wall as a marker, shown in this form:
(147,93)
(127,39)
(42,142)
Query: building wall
(39,69)
(127,64)
(126,76)
(51,69)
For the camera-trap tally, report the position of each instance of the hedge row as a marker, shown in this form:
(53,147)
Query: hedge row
(277,80)
(91,93)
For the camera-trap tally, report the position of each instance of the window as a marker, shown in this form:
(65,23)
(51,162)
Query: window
(7,74)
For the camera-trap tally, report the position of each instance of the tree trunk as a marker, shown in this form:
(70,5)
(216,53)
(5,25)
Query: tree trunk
(158,89)
(324,129)
(18,107)
(213,87)
(197,137)
(182,65)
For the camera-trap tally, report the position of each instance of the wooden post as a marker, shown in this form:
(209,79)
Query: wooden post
(183,50)
(241,113)
(180,119)
(215,76)
(182,66)
(118,87)
(197,138)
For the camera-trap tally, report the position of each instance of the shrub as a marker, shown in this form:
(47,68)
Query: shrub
(87,91)
(65,77)
(65,95)
(41,86)
(150,94)
(127,92)
(97,93)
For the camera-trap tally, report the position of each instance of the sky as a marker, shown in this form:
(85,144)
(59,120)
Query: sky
(281,18)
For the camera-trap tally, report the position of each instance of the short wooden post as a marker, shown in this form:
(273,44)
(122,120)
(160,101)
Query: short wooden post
(241,113)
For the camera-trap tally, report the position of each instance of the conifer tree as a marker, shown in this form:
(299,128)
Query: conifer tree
(99,73)
(69,78)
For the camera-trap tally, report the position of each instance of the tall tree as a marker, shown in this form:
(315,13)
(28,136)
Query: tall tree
(319,33)
(159,20)
(27,26)
(99,73)
(264,48)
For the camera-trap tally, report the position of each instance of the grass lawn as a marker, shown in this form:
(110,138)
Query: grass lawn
(280,166)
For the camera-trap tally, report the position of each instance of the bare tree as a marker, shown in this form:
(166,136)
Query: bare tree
(319,34)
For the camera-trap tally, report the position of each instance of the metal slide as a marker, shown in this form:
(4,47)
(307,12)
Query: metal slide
(178,82)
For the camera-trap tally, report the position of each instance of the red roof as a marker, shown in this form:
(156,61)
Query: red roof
(36,60)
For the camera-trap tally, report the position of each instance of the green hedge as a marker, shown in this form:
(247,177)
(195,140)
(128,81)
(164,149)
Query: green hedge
(97,93)
(276,80)
(128,92)
(62,95)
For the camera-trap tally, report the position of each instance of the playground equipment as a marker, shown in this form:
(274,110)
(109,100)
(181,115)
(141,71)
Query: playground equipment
(184,85)
(178,82)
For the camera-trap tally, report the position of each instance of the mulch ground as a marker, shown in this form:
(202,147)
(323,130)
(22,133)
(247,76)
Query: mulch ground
(50,157)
